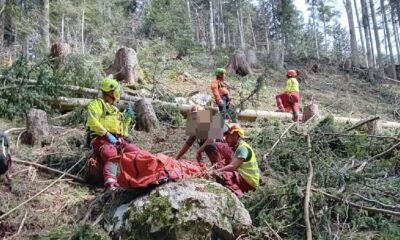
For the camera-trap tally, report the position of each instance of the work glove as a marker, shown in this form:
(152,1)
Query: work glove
(220,103)
(111,138)
(129,113)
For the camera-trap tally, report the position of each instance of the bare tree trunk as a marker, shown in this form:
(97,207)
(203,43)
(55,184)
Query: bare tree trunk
(396,33)
(2,22)
(252,32)
(325,38)
(371,44)
(376,32)
(384,40)
(188,10)
(46,24)
(365,22)
(83,28)
(361,34)
(212,32)
(223,24)
(62,28)
(240,21)
(315,31)
(394,75)
(353,38)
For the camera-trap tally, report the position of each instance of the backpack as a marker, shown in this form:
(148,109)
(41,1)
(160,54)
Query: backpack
(5,156)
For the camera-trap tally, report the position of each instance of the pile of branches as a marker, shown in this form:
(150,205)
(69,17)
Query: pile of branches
(326,182)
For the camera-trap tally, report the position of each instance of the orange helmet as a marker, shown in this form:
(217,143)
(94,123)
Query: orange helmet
(235,128)
(196,108)
(292,73)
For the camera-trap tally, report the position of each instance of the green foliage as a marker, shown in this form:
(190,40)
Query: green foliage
(279,203)
(170,115)
(167,19)
(38,85)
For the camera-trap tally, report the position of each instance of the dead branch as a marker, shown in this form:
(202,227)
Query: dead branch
(373,201)
(22,224)
(351,204)
(49,169)
(362,123)
(308,191)
(277,141)
(13,130)
(273,231)
(361,166)
(362,135)
(391,79)
(42,191)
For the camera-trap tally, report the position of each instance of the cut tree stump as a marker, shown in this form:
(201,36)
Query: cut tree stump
(60,49)
(37,128)
(309,111)
(375,127)
(125,67)
(146,119)
(238,64)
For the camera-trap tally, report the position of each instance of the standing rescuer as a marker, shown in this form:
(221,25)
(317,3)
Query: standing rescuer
(220,91)
(241,174)
(289,100)
(107,128)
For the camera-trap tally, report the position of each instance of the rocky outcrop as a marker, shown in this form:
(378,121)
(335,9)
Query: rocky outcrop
(190,209)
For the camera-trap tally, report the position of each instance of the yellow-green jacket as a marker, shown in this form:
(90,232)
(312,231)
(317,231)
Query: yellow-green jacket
(249,170)
(292,85)
(104,117)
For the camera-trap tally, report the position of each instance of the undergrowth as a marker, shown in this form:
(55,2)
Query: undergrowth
(279,204)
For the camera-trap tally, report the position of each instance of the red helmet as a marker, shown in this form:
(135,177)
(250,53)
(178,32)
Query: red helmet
(292,73)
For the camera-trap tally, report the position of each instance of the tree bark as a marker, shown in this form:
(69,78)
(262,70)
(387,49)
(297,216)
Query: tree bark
(314,16)
(395,31)
(365,23)
(240,23)
(352,30)
(46,24)
(361,34)
(376,33)
(37,127)
(388,38)
(223,24)
(245,115)
(212,32)
(2,22)
(83,28)
(126,66)
(146,119)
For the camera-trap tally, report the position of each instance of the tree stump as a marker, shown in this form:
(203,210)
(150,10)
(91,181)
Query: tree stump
(37,128)
(309,111)
(238,64)
(315,68)
(375,127)
(60,49)
(125,67)
(146,119)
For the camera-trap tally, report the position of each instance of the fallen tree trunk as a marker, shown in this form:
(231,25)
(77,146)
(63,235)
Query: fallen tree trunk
(245,115)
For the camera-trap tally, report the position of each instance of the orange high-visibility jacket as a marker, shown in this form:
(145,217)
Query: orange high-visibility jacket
(218,89)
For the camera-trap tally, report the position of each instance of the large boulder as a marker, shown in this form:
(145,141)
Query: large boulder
(188,209)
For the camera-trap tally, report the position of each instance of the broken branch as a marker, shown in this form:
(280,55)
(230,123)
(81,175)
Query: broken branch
(351,204)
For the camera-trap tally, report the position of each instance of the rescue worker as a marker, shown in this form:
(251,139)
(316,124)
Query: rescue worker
(219,90)
(241,174)
(289,100)
(107,128)
(192,139)
(5,156)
